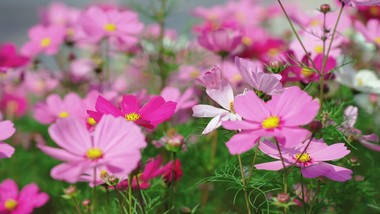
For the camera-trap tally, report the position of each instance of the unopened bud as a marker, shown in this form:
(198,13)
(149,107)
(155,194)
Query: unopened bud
(176,140)
(354,159)
(275,64)
(86,202)
(113,180)
(185,210)
(71,190)
(315,126)
(322,179)
(283,197)
(325,8)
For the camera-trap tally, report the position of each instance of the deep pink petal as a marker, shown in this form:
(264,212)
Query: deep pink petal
(160,114)
(104,106)
(152,105)
(8,189)
(130,104)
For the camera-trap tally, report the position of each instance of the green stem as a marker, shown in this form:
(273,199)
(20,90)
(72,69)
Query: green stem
(77,206)
(298,37)
(94,193)
(107,200)
(130,193)
(140,194)
(244,189)
(303,152)
(285,180)
(121,208)
(253,163)
(315,197)
(303,194)
(173,159)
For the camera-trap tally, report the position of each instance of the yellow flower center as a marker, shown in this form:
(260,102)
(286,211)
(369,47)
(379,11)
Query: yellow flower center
(273,51)
(232,107)
(374,10)
(94,154)
(63,114)
(110,27)
(103,174)
(70,31)
(360,82)
(318,49)
(91,121)
(306,72)
(194,74)
(271,122)
(45,42)
(10,204)
(132,116)
(377,40)
(237,78)
(315,23)
(246,40)
(303,158)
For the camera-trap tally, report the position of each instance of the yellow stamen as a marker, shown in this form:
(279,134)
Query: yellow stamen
(273,52)
(377,40)
(132,116)
(306,72)
(232,107)
(110,27)
(360,82)
(374,11)
(304,158)
(45,42)
(315,23)
(70,31)
(271,122)
(318,49)
(103,174)
(94,154)
(10,204)
(194,74)
(63,114)
(237,77)
(91,121)
(246,41)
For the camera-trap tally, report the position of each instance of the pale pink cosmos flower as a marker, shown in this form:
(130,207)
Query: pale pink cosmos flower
(6,131)
(355,3)
(254,75)
(371,32)
(222,93)
(114,146)
(210,79)
(280,117)
(220,41)
(350,116)
(184,101)
(80,69)
(121,25)
(44,39)
(14,202)
(55,108)
(58,13)
(311,162)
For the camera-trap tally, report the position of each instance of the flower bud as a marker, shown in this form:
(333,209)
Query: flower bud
(86,202)
(71,190)
(276,66)
(315,126)
(185,210)
(322,179)
(354,159)
(283,197)
(325,8)
(113,180)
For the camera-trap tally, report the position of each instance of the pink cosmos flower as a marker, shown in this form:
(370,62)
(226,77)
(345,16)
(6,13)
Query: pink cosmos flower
(184,101)
(167,172)
(13,202)
(152,170)
(43,39)
(156,111)
(254,75)
(6,131)
(220,41)
(14,103)
(221,92)
(114,146)
(355,3)
(350,116)
(280,117)
(55,108)
(81,69)
(57,13)
(121,25)
(9,57)
(311,162)
(371,32)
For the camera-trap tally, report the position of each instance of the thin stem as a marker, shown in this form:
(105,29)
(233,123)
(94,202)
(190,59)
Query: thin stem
(94,193)
(140,194)
(243,180)
(173,159)
(315,197)
(303,193)
(161,50)
(121,208)
(130,193)
(253,163)
(107,200)
(77,206)
(285,181)
(298,37)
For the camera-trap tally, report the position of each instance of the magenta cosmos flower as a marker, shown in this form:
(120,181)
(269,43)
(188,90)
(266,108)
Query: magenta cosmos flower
(310,162)
(44,39)
(156,111)
(9,57)
(56,108)
(121,25)
(13,202)
(280,117)
(6,131)
(220,41)
(114,146)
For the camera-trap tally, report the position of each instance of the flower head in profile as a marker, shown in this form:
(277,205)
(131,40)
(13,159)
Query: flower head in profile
(44,39)
(220,41)
(311,161)
(6,131)
(14,202)
(114,147)
(9,57)
(280,117)
(156,111)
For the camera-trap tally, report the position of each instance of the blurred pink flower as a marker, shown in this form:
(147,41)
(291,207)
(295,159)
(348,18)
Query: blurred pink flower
(371,32)
(220,41)
(9,57)
(14,103)
(44,39)
(210,79)
(55,108)
(58,13)
(280,117)
(185,101)
(152,170)
(80,69)
(13,202)
(355,3)
(156,111)
(310,162)
(167,172)
(121,25)
(114,145)
(6,131)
